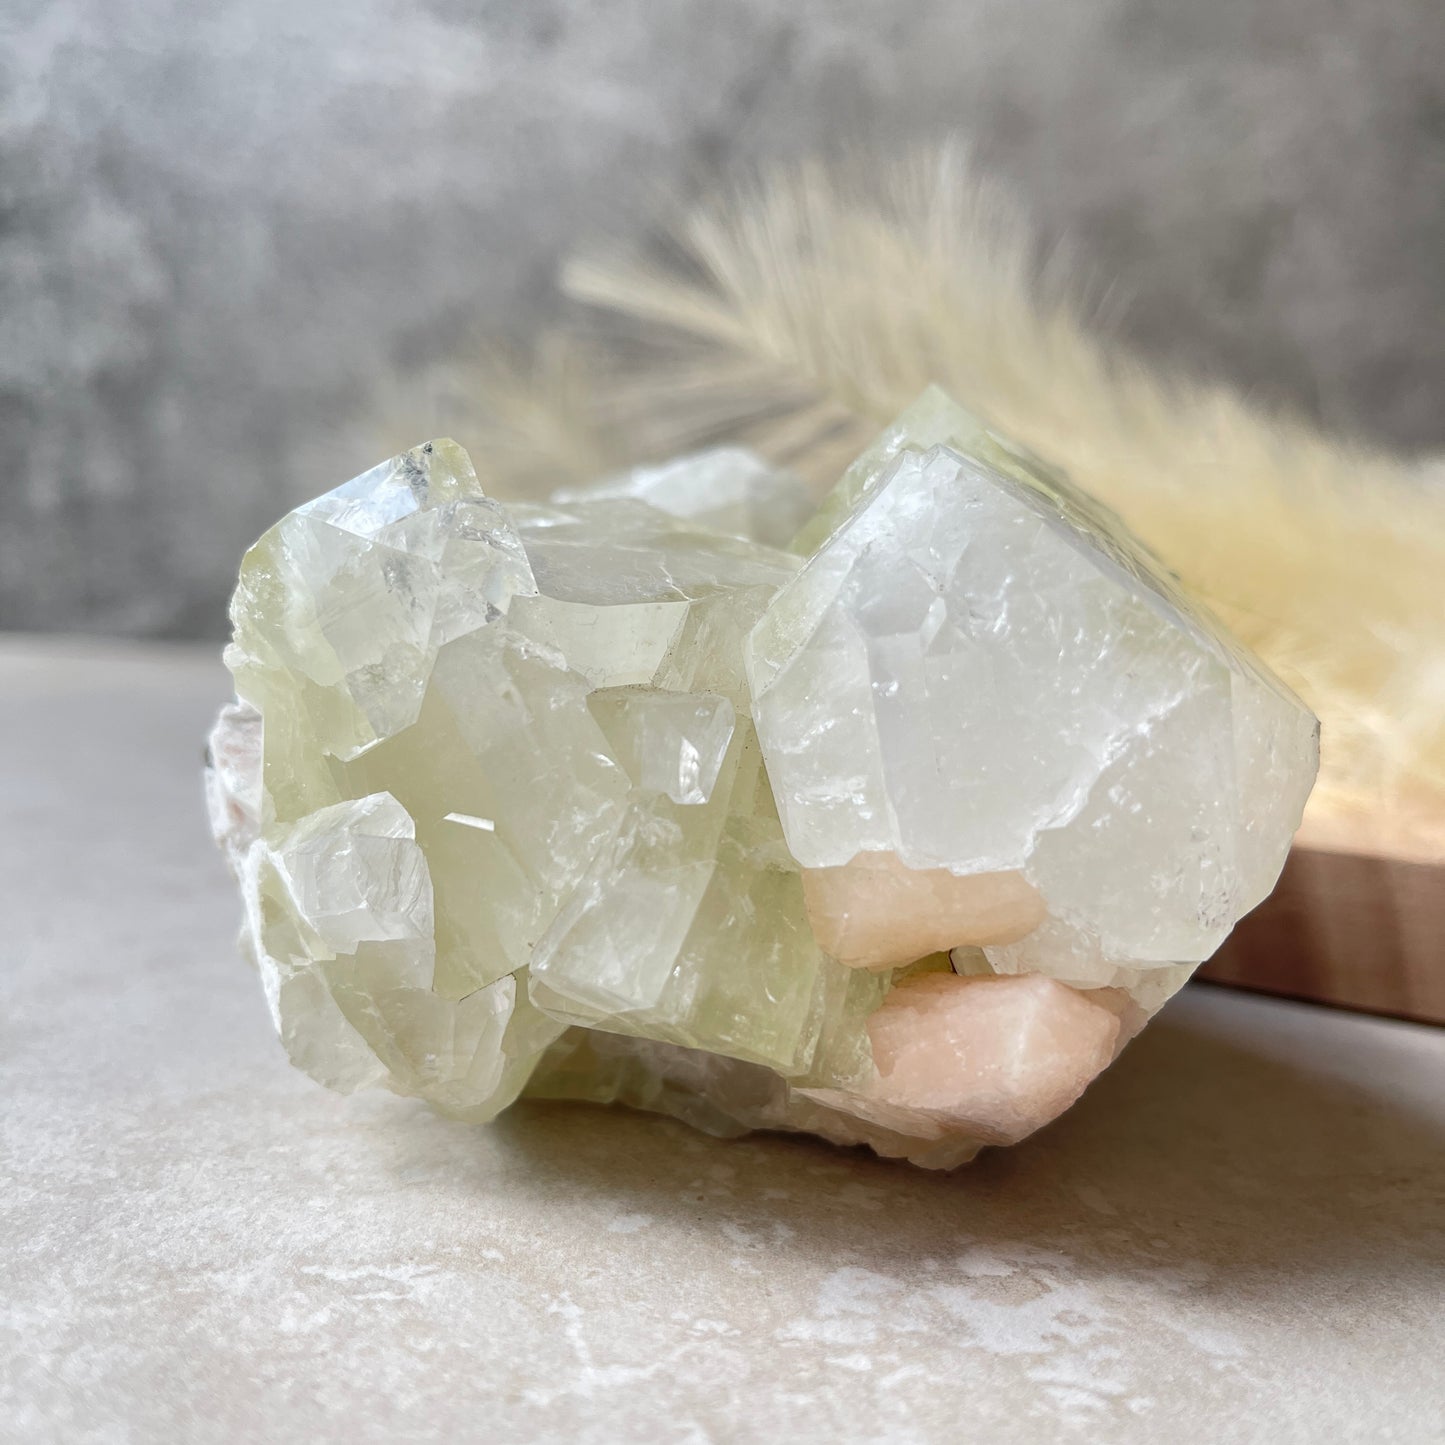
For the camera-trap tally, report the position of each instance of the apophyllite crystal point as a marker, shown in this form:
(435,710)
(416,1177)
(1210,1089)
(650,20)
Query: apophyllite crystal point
(895,834)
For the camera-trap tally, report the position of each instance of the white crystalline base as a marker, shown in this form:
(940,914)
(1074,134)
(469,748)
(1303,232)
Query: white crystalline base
(1031,1048)
(610,799)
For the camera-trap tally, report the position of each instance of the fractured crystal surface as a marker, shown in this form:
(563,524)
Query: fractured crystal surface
(727,489)
(895,835)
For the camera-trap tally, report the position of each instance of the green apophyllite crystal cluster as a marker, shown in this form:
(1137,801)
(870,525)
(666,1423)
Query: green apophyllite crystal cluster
(895,834)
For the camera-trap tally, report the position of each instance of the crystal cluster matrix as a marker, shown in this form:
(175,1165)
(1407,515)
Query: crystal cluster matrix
(894,828)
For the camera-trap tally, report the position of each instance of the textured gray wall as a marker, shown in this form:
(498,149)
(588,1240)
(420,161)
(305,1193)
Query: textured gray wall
(230,228)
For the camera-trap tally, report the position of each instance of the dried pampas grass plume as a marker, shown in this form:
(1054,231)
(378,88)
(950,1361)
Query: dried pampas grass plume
(800,313)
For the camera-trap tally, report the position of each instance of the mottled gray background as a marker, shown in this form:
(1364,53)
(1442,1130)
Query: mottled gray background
(231,231)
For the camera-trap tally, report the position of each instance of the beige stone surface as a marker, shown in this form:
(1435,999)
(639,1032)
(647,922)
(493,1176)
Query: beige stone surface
(1238,1234)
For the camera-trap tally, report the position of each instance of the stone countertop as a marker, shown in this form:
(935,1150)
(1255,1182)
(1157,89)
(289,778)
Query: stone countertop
(1239,1234)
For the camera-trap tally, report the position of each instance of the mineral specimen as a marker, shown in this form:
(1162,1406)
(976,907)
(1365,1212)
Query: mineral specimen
(896,835)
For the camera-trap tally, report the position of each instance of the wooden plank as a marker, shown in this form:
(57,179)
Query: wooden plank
(1358,929)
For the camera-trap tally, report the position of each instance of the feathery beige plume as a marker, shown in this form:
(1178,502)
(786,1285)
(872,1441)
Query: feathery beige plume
(800,313)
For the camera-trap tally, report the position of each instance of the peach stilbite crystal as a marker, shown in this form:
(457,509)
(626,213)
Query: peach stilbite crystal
(992,1057)
(893,836)
(875,912)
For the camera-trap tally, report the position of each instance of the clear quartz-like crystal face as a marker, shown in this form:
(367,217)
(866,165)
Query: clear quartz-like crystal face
(895,835)
(976,672)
